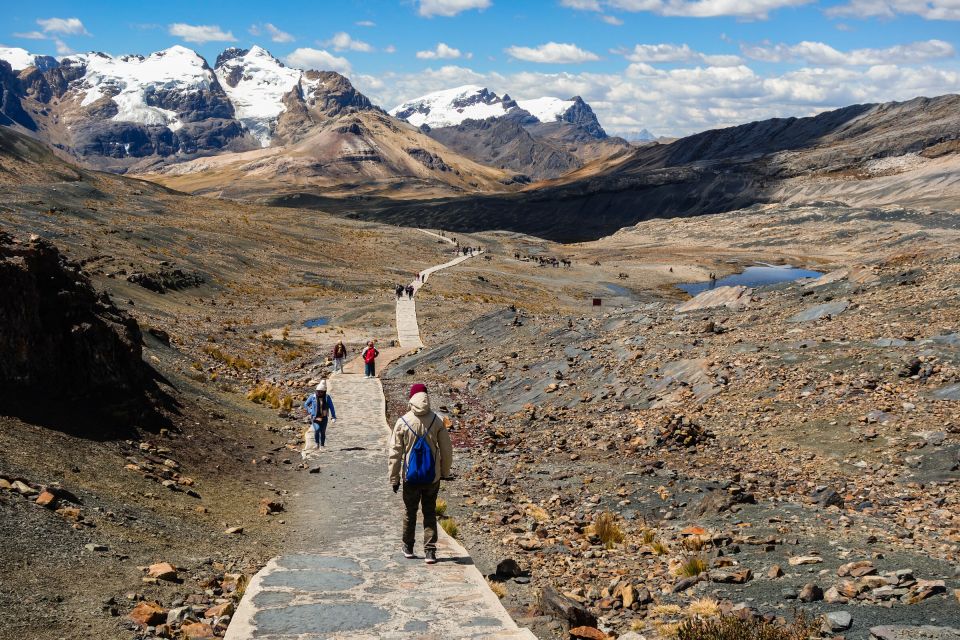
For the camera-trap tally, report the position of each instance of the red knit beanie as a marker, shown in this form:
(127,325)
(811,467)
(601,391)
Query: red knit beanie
(417,388)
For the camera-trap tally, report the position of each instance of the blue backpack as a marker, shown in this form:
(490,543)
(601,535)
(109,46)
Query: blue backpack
(420,469)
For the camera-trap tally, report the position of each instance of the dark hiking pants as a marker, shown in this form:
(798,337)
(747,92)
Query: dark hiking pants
(320,434)
(424,497)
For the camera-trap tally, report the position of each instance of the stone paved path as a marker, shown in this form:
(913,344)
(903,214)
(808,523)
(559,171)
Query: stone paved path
(353,581)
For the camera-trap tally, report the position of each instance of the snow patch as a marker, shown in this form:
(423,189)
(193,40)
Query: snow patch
(258,95)
(450,107)
(546,109)
(18,58)
(130,80)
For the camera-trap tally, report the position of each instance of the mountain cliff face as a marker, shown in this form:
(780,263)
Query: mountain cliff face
(129,112)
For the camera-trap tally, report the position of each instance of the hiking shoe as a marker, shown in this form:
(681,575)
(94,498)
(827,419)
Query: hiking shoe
(408,552)
(431,557)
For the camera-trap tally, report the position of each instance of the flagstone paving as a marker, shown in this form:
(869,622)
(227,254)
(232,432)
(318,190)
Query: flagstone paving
(352,580)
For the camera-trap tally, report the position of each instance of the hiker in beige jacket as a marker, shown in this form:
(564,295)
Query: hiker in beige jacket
(420,421)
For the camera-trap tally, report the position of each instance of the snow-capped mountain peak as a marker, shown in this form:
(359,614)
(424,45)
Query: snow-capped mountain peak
(547,108)
(20,59)
(450,107)
(133,82)
(256,84)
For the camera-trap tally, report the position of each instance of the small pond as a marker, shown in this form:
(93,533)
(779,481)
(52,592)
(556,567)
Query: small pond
(752,277)
(322,321)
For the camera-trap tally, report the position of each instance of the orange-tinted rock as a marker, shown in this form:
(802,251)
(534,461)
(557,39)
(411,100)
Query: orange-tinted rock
(163,571)
(588,633)
(225,609)
(147,614)
(47,499)
(197,631)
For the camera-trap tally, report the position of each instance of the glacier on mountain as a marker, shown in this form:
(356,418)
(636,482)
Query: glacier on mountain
(133,81)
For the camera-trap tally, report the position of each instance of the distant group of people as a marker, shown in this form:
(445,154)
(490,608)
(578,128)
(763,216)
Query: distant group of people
(468,251)
(405,290)
(548,261)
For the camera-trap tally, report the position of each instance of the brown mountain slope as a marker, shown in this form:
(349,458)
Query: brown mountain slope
(362,153)
(892,153)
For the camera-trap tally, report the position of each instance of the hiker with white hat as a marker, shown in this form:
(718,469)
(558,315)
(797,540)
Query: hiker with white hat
(320,407)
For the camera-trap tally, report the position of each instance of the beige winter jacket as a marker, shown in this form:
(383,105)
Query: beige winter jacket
(420,418)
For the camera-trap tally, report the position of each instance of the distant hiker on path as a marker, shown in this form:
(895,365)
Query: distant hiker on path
(399,291)
(409,292)
(320,407)
(420,456)
(339,353)
(369,356)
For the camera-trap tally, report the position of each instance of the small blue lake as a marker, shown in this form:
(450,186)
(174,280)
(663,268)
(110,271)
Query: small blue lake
(752,277)
(316,322)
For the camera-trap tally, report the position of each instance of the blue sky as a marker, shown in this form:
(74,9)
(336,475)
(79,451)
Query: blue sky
(670,66)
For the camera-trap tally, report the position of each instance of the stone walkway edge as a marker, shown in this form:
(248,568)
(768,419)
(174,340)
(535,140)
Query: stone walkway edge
(356,584)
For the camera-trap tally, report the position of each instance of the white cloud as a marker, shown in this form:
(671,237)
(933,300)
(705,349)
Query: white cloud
(819,53)
(32,35)
(746,9)
(63,49)
(677,53)
(200,33)
(927,9)
(63,26)
(441,52)
(684,100)
(343,41)
(449,8)
(365,23)
(307,58)
(552,53)
(276,35)
(614,20)
(389,49)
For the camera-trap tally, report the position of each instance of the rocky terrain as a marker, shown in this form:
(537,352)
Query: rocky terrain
(881,154)
(796,451)
(170,116)
(540,138)
(147,521)
(623,468)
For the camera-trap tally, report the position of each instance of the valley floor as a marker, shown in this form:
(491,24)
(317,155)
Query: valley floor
(745,438)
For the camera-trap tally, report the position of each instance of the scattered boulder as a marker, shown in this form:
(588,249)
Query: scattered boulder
(906,632)
(148,614)
(810,593)
(509,568)
(552,603)
(837,621)
(163,571)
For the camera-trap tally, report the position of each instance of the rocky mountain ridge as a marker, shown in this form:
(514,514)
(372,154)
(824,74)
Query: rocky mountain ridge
(114,112)
(895,153)
(541,138)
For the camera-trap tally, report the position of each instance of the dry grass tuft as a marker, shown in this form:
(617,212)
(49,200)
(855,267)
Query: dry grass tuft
(231,361)
(659,548)
(271,395)
(441,507)
(731,628)
(664,610)
(606,528)
(647,536)
(451,527)
(694,543)
(704,608)
(498,588)
(692,566)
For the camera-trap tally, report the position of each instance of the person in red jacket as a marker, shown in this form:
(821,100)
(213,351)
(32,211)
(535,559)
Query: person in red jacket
(369,355)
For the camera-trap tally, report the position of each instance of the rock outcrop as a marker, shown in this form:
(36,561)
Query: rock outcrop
(67,354)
